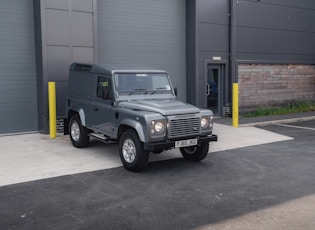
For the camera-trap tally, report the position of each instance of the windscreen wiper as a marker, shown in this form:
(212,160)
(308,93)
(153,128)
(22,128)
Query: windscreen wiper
(158,90)
(138,91)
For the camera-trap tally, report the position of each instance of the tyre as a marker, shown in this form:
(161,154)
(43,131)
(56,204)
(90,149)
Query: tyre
(195,153)
(131,152)
(78,134)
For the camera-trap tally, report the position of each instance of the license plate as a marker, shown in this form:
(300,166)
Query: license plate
(185,143)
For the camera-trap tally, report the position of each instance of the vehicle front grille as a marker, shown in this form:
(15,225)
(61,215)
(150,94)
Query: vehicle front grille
(180,127)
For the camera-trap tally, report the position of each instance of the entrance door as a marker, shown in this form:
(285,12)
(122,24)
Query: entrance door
(215,76)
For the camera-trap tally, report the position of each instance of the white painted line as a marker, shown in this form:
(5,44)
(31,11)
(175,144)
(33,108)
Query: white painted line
(297,127)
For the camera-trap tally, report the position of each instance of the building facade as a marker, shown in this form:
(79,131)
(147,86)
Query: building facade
(267,46)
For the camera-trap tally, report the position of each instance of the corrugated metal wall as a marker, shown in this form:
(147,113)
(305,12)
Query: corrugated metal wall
(18,93)
(276,30)
(146,32)
(266,30)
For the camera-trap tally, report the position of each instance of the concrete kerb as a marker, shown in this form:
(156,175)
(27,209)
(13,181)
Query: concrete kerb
(281,121)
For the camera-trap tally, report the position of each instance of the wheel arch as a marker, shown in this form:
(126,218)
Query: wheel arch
(80,111)
(131,124)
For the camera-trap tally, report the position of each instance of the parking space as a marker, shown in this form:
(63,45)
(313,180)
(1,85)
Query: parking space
(245,187)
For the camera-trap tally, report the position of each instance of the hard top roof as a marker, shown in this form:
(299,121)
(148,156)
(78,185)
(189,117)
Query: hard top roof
(109,68)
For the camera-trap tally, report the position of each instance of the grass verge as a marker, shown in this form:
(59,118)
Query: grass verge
(295,107)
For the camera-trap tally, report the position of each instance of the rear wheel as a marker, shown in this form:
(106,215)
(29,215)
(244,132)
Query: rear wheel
(195,153)
(78,133)
(131,152)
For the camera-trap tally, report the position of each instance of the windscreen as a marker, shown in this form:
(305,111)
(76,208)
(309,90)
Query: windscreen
(130,83)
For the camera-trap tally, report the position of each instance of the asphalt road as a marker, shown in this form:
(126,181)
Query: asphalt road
(268,186)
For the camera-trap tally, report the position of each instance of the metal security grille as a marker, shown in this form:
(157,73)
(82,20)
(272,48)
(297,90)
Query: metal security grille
(184,127)
(18,86)
(147,33)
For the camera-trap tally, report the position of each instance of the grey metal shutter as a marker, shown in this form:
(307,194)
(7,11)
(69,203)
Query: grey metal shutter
(145,32)
(18,91)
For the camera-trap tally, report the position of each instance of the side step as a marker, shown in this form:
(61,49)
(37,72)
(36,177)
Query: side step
(103,138)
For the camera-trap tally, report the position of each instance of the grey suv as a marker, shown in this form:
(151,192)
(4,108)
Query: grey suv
(136,108)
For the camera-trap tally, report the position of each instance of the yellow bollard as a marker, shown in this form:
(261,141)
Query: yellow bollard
(235,106)
(52,109)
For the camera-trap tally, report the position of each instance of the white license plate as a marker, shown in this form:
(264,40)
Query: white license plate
(185,143)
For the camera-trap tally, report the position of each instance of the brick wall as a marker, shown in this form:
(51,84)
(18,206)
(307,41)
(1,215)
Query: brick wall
(268,85)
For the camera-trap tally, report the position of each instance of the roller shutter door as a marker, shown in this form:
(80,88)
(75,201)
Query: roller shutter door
(145,32)
(18,92)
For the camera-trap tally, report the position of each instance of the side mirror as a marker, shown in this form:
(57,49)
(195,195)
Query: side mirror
(175,91)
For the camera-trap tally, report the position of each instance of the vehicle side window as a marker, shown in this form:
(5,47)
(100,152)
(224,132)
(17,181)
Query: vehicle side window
(104,88)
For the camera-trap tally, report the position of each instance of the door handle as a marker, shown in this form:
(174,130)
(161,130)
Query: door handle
(95,109)
(208,89)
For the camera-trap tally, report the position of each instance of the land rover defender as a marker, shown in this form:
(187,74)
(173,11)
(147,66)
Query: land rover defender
(136,108)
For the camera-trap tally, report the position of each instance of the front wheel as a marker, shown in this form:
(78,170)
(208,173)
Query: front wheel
(131,152)
(195,153)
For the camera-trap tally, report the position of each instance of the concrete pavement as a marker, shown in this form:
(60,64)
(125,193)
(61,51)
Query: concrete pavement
(294,214)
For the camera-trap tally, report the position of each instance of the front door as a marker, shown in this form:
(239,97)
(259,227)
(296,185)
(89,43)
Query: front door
(103,110)
(215,76)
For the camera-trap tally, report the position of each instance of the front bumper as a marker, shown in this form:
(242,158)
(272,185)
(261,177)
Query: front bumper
(171,143)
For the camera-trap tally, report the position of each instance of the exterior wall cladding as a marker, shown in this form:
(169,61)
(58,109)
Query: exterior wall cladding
(268,45)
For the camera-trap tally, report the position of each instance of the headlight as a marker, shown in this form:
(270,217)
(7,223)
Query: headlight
(204,122)
(159,127)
